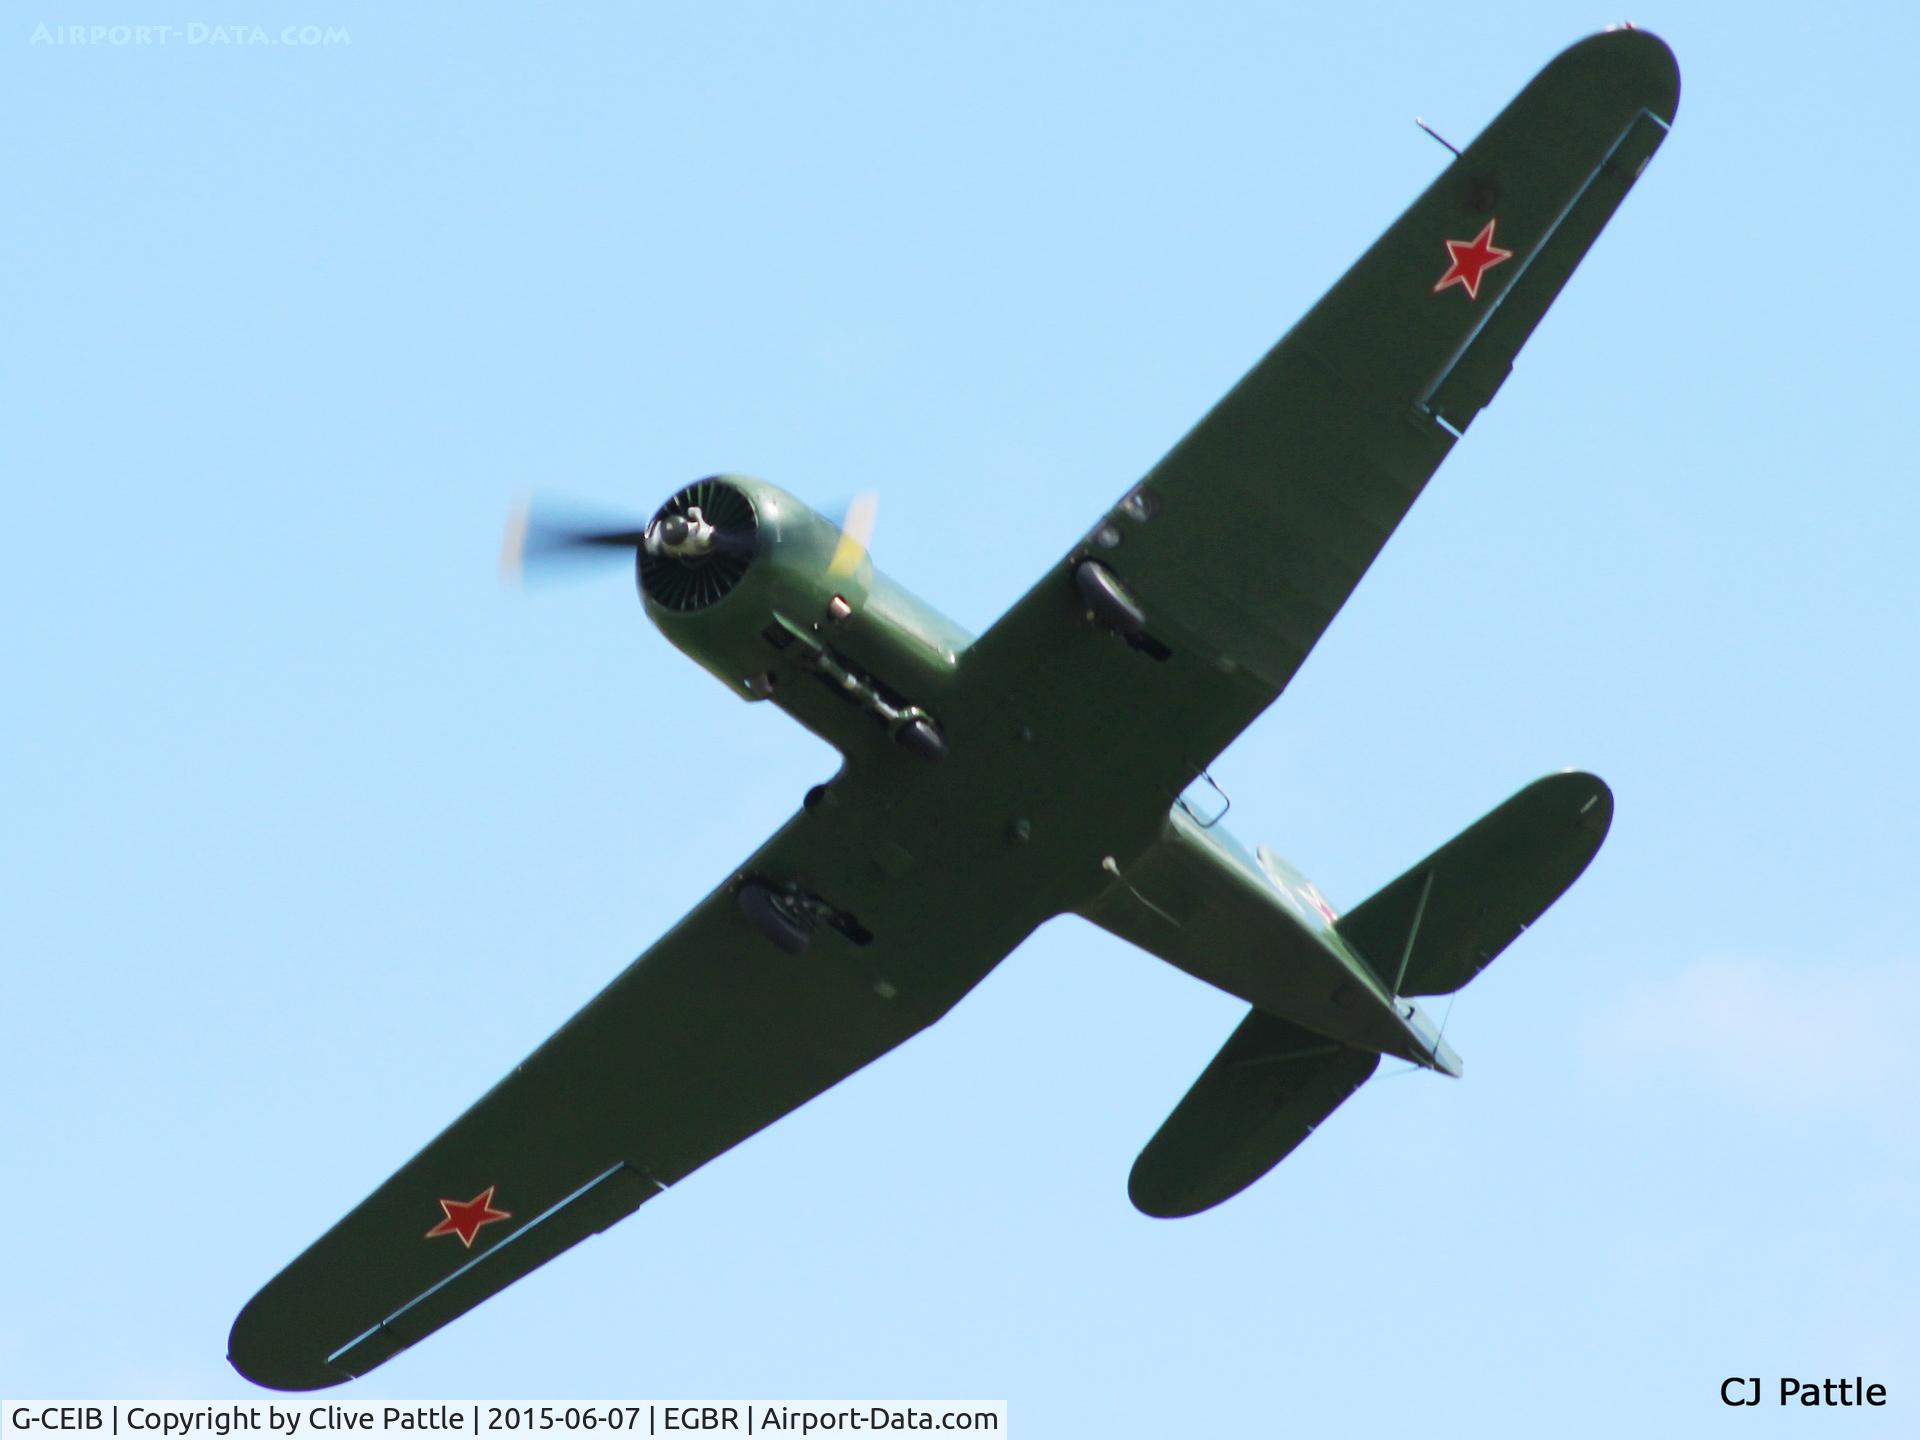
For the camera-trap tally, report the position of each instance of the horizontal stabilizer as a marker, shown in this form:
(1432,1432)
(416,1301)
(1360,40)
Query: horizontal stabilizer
(1442,923)
(1267,1090)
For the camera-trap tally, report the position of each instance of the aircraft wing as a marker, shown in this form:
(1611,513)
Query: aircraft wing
(706,1038)
(1241,545)
(1239,548)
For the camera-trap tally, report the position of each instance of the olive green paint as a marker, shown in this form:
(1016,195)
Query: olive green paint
(1066,744)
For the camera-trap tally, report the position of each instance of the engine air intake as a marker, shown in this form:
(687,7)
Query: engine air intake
(699,546)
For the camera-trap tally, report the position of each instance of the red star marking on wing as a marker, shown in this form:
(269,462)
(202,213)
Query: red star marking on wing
(1469,260)
(465,1217)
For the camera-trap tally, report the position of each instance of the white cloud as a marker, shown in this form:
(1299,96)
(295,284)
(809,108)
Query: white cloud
(1811,1034)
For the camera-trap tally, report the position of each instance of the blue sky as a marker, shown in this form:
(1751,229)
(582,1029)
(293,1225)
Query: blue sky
(310,832)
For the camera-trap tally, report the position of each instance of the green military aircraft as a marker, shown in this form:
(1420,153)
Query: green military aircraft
(992,784)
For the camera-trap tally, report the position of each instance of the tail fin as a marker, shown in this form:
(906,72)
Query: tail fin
(1442,923)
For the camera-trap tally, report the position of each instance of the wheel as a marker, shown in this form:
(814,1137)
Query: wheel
(1111,605)
(919,736)
(766,909)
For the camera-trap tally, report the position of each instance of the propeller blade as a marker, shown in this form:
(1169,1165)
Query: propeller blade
(513,541)
(541,541)
(856,530)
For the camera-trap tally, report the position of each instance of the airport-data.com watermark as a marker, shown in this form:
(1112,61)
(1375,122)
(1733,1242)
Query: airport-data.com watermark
(193,33)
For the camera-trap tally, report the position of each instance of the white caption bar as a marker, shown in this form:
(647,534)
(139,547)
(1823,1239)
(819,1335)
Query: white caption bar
(556,1419)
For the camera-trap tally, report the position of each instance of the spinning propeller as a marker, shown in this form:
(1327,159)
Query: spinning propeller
(705,522)
(552,540)
(856,530)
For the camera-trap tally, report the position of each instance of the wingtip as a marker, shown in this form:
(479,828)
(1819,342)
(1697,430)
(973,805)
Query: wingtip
(1642,59)
(268,1356)
(1162,1204)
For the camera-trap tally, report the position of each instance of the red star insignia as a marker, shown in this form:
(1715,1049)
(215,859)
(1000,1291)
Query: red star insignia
(1469,260)
(465,1217)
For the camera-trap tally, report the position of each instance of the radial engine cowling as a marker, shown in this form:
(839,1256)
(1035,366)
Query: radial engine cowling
(729,545)
(699,546)
(760,588)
